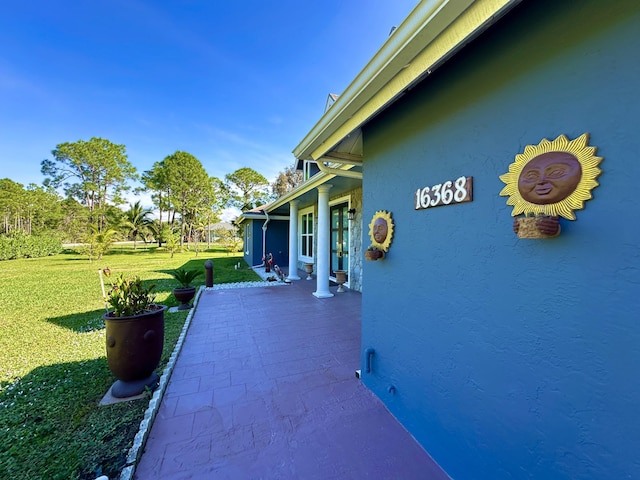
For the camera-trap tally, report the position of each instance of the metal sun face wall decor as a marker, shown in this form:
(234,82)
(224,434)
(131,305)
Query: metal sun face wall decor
(381,230)
(550,180)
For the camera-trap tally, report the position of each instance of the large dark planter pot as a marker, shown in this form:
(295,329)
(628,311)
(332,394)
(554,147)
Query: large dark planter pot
(134,347)
(184,296)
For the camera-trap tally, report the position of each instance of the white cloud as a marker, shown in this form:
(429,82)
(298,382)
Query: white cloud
(230,214)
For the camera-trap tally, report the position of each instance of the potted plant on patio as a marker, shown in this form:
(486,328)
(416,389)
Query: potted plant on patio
(185,292)
(134,335)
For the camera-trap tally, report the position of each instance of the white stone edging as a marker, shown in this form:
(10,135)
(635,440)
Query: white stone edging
(135,452)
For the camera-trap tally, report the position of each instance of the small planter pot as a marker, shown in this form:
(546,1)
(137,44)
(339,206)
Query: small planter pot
(134,347)
(308,267)
(537,227)
(184,296)
(373,255)
(341,278)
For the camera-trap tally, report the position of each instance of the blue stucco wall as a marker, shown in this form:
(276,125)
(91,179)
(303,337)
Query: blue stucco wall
(254,247)
(277,242)
(513,358)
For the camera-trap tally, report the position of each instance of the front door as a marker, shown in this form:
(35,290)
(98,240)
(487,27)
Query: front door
(339,238)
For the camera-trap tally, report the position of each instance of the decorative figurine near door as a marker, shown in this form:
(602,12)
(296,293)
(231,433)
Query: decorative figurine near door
(381,234)
(548,181)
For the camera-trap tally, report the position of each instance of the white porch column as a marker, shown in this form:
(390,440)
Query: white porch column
(322,252)
(293,241)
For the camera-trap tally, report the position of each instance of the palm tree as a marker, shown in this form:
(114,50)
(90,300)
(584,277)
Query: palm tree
(96,243)
(136,221)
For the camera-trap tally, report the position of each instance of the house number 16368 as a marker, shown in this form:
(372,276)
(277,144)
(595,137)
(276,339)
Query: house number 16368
(446,193)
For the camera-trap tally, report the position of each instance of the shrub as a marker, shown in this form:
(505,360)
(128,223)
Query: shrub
(231,243)
(20,245)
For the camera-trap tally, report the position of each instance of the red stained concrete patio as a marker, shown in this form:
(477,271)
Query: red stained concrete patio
(265,388)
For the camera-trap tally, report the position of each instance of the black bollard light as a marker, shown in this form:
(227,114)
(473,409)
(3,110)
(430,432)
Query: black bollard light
(208,273)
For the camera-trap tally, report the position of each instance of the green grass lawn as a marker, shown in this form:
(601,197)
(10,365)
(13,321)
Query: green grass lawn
(53,369)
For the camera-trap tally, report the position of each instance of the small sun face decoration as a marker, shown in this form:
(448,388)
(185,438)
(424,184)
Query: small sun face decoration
(381,230)
(552,178)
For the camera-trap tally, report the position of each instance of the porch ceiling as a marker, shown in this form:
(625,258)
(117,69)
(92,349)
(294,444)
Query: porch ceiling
(310,196)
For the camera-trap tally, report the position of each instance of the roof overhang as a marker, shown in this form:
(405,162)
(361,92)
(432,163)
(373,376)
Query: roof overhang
(431,34)
(307,187)
(258,216)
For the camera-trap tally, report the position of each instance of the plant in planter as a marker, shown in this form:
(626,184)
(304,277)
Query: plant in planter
(185,293)
(134,336)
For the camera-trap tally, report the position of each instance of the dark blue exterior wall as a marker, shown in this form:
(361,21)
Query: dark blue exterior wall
(513,358)
(253,251)
(277,242)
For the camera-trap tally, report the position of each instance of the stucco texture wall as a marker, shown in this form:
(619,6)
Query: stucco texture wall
(253,250)
(513,358)
(278,242)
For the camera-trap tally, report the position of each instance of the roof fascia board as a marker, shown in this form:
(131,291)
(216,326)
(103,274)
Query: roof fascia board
(255,216)
(431,33)
(475,20)
(432,16)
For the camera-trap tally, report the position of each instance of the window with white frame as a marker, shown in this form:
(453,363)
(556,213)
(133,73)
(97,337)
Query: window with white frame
(306,170)
(305,223)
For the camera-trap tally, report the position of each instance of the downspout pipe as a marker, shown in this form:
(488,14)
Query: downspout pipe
(264,237)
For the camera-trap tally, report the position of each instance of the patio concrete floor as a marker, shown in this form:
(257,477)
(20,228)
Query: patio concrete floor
(265,388)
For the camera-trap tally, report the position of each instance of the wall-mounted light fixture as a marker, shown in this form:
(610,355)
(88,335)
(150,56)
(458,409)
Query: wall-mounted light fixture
(352,213)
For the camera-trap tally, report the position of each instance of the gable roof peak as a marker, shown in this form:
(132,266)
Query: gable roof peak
(331,99)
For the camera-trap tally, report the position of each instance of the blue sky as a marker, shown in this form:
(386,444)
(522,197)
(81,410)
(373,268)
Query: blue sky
(235,83)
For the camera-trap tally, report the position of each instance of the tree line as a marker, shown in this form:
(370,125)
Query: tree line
(85,182)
